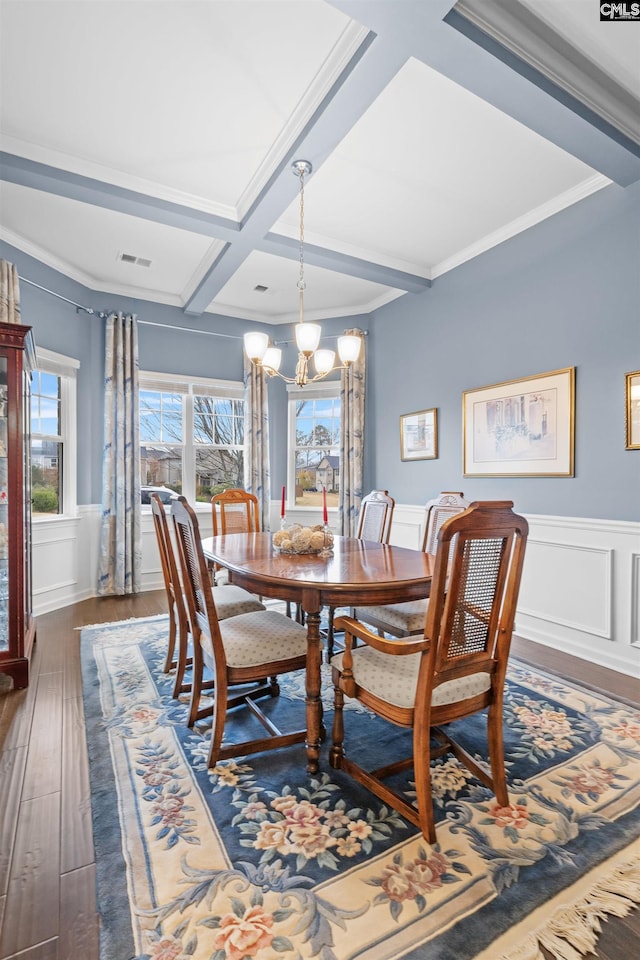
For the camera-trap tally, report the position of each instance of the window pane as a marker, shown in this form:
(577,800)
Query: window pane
(211,452)
(161,466)
(216,470)
(317,461)
(45,408)
(46,443)
(218,420)
(46,476)
(160,416)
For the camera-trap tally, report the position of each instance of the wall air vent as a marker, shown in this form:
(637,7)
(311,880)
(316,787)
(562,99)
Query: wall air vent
(129,258)
(260,288)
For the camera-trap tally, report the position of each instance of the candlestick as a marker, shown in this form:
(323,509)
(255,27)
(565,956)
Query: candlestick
(325,516)
(284,490)
(327,546)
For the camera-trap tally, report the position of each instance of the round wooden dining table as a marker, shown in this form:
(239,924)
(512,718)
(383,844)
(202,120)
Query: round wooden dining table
(358,572)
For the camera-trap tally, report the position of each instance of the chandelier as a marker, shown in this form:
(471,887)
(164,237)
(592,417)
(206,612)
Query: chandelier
(261,353)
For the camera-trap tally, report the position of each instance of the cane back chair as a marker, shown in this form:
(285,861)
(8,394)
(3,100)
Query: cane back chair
(455,669)
(230,602)
(405,619)
(241,650)
(374,523)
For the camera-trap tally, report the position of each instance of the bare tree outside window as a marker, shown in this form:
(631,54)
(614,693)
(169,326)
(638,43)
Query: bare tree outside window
(218,428)
(161,439)
(198,433)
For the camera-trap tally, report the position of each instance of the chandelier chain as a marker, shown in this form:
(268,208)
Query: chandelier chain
(307,334)
(301,283)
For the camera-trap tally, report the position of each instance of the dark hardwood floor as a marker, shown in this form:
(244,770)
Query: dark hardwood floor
(47,868)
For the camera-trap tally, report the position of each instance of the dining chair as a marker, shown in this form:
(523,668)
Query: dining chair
(233,511)
(236,511)
(455,669)
(405,619)
(241,650)
(374,523)
(230,601)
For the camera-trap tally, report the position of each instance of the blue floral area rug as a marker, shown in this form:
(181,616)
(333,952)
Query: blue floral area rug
(257,860)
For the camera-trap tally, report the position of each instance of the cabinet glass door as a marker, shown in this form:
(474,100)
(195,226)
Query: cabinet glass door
(4,512)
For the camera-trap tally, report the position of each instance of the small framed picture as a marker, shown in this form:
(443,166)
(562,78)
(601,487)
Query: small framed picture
(419,435)
(632,408)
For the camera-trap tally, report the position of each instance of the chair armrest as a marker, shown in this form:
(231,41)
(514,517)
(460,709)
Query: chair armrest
(395,647)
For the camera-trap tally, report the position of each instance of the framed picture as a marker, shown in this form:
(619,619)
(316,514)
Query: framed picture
(419,435)
(521,428)
(632,409)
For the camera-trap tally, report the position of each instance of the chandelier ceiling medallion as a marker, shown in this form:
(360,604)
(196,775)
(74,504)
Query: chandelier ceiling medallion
(308,335)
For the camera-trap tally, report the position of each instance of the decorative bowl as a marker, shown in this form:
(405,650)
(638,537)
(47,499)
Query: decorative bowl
(303,541)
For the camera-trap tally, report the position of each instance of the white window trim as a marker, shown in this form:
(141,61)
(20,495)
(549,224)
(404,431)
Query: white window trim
(67,369)
(315,391)
(187,385)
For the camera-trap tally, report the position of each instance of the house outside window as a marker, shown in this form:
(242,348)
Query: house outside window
(314,444)
(328,474)
(191,437)
(53,435)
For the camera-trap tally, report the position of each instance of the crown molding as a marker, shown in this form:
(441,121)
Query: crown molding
(518,30)
(520,224)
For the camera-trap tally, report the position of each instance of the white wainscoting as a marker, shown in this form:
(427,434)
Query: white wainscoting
(65,557)
(580,591)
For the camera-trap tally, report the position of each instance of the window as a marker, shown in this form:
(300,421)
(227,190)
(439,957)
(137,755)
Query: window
(314,443)
(53,434)
(191,437)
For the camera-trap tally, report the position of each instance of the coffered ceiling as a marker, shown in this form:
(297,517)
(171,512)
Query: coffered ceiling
(164,131)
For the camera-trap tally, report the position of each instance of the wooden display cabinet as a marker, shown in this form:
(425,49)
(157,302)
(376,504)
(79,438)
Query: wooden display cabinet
(17,625)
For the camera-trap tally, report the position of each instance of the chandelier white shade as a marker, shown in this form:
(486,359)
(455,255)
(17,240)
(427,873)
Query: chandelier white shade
(259,350)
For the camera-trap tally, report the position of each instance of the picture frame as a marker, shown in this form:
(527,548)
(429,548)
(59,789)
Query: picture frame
(520,428)
(419,435)
(632,410)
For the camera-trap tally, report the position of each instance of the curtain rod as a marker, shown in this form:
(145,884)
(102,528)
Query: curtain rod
(153,323)
(103,316)
(53,293)
(175,326)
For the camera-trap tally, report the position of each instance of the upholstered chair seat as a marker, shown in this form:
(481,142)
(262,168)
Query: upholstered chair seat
(400,619)
(261,637)
(232,601)
(396,682)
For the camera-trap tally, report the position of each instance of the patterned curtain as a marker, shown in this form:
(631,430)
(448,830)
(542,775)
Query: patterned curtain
(352,394)
(9,293)
(120,561)
(256,425)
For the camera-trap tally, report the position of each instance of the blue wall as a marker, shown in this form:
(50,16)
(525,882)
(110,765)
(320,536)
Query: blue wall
(61,327)
(563,293)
